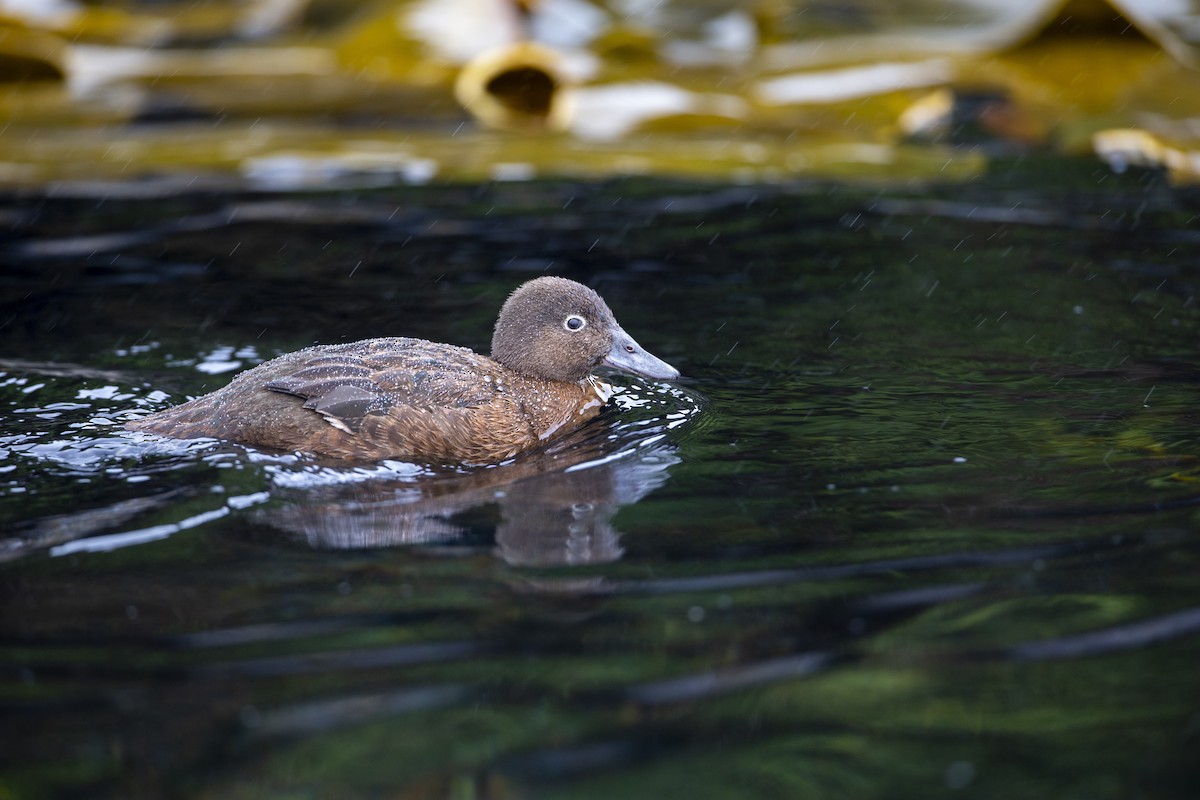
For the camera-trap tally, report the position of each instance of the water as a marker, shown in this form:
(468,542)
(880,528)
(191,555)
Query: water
(919,521)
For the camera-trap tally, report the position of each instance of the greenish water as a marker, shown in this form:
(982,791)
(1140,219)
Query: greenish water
(919,521)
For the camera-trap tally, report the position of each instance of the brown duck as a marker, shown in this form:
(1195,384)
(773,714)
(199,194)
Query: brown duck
(415,400)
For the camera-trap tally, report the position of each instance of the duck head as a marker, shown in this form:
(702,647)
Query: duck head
(561,330)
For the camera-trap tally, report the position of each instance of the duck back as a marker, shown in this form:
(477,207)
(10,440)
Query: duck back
(385,398)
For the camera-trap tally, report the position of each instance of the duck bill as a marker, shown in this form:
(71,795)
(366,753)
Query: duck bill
(629,356)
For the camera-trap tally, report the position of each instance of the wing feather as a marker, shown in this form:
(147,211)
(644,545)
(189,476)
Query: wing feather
(347,384)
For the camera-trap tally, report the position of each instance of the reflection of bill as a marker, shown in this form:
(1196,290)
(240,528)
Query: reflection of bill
(555,510)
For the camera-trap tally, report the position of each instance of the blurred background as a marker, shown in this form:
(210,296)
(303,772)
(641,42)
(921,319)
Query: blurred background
(293,93)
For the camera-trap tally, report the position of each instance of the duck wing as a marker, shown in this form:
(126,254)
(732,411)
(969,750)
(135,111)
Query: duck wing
(406,398)
(347,384)
(383,398)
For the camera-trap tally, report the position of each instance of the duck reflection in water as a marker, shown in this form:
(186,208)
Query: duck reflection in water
(553,510)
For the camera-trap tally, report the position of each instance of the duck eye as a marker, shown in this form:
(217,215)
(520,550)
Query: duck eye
(574,322)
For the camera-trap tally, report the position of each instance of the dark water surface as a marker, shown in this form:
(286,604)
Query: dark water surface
(921,520)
